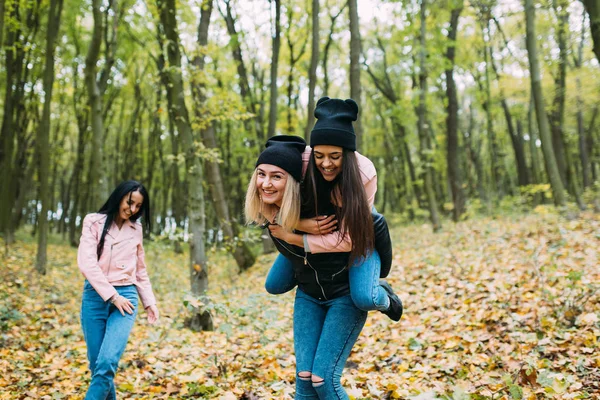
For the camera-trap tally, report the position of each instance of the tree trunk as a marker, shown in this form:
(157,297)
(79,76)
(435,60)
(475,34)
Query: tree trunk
(294,58)
(515,138)
(241,252)
(454,172)
(201,319)
(245,89)
(496,170)
(535,163)
(355,51)
(557,116)
(326,49)
(98,184)
(594,151)
(274,66)
(584,155)
(13,62)
(542,118)
(593,9)
(43,138)
(426,158)
(473,154)
(312,72)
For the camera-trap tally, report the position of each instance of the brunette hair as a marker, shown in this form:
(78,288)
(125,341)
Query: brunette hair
(289,212)
(111,208)
(348,196)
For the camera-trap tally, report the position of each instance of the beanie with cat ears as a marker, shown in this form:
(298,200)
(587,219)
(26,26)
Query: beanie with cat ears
(334,123)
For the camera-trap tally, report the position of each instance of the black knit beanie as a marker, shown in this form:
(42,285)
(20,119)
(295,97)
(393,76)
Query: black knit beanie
(334,123)
(285,152)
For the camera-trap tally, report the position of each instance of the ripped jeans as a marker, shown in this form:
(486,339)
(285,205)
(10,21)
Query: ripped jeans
(324,334)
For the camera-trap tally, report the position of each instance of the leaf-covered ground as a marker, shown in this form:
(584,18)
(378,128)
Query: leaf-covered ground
(495,309)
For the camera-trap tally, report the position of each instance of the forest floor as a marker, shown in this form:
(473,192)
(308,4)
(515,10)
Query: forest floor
(504,308)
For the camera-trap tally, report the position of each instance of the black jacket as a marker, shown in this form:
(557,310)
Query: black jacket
(324,276)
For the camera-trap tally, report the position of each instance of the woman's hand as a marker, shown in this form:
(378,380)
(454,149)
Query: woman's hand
(152,314)
(123,305)
(278,232)
(319,225)
(292,238)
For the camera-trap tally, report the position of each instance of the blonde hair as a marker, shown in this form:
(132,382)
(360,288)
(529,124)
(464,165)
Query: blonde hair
(288,215)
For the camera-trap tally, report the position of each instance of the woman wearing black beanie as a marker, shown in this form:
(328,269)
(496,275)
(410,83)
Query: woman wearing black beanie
(335,172)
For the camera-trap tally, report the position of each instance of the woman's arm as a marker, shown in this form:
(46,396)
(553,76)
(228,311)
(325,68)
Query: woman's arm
(336,242)
(141,274)
(87,260)
(144,285)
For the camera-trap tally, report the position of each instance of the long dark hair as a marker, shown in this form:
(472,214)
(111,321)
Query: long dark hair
(111,208)
(354,216)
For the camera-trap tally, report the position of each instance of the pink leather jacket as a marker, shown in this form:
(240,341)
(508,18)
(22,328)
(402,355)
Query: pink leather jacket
(122,260)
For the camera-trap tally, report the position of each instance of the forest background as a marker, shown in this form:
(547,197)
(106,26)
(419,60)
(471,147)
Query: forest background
(471,111)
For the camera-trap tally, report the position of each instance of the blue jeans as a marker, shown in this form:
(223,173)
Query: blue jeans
(364,281)
(106,333)
(324,334)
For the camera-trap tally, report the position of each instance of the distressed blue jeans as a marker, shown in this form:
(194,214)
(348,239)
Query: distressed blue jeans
(365,290)
(324,334)
(106,333)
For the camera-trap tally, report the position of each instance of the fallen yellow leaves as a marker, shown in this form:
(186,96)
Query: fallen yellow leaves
(502,309)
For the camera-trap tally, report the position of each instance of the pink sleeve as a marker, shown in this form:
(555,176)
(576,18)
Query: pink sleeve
(141,274)
(87,260)
(305,159)
(329,243)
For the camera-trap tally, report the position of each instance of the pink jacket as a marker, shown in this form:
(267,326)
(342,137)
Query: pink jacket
(122,260)
(331,242)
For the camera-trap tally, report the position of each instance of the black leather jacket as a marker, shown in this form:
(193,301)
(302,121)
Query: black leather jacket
(324,276)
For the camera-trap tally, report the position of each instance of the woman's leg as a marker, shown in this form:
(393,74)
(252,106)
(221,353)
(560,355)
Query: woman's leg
(94,315)
(116,335)
(281,278)
(365,290)
(341,328)
(309,316)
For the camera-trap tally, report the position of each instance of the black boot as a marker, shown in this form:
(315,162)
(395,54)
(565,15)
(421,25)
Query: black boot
(395,310)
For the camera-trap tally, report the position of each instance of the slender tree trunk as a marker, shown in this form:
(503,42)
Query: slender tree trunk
(454,172)
(496,169)
(515,138)
(294,58)
(355,51)
(557,116)
(535,159)
(593,9)
(584,155)
(422,128)
(241,252)
(312,73)
(2,6)
(473,154)
(201,320)
(43,142)
(98,183)
(542,118)
(594,151)
(245,89)
(7,132)
(276,34)
(327,47)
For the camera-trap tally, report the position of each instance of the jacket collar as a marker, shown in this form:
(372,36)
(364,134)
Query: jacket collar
(125,232)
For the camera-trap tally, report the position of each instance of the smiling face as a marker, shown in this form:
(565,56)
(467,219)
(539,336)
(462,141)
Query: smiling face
(270,183)
(328,160)
(130,205)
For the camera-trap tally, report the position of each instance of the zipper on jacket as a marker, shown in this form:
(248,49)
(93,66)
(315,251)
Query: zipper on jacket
(317,278)
(339,272)
(307,263)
